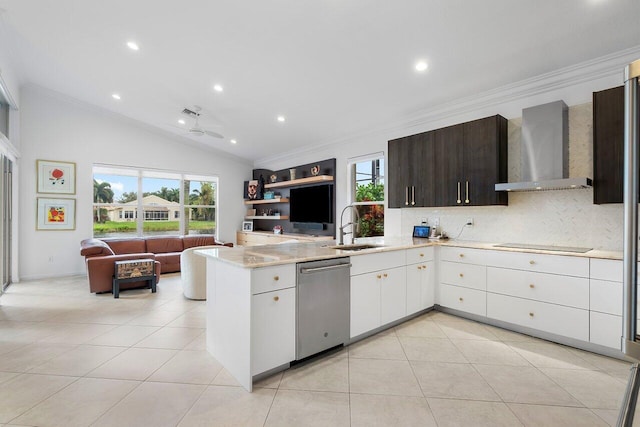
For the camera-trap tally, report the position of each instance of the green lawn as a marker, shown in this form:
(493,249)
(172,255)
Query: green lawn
(150,226)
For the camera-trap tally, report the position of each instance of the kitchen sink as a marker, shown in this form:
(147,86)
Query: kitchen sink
(354,247)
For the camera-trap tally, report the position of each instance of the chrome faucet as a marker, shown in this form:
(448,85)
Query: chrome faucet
(355,226)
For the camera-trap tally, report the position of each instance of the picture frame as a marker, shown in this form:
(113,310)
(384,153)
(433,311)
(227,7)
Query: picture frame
(251,190)
(56,177)
(56,214)
(247,225)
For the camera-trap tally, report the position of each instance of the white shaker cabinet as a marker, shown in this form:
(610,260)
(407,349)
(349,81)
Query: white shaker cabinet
(463,280)
(378,290)
(420,279)
(273,329)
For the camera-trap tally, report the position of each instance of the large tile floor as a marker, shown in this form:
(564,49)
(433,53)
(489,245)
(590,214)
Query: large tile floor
(71,358)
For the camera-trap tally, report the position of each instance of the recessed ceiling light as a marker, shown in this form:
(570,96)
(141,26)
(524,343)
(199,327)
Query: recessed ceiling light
(181,121)
(116,96)
(133,45)
(218,88)
(233,141)
(281,118)
(421,66)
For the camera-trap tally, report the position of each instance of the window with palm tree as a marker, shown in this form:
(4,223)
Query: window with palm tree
(137,202)
(368,195)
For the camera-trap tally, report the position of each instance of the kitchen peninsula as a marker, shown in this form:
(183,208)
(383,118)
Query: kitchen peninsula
(567,297)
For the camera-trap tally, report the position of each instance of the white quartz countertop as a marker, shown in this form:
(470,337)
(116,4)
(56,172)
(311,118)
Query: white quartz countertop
(288,253)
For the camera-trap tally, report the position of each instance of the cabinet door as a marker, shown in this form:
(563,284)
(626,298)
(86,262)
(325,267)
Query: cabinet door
(428,284)
(423,166)
(393,294)
(365,303)
(273,329)
(608,145)
(448,184)
(399,153)
(484,161)
(414,288)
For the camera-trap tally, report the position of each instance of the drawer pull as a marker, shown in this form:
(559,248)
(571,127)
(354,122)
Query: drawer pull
(276,298)
(421,254)
(276,278)
(460,299)
(531,314)
(385,275)
(461,275)
(419,267)
(532,262)
(379,276)
(461,255)
(531,285)
(424,267)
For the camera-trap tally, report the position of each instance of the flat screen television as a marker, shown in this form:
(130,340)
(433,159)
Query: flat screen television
(311,204)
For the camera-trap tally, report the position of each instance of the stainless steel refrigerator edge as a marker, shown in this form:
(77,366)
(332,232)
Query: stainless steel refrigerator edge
(630,343)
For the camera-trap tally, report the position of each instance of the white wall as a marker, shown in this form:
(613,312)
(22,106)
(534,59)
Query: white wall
(556,217)
(54,127)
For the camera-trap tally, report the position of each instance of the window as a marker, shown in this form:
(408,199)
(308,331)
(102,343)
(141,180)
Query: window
(130,201)
(367,193)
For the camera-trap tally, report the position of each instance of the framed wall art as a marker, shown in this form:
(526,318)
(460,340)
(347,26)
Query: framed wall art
(56,214)
(56,177)
(247,225)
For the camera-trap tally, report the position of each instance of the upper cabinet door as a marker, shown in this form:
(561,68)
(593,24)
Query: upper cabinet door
(448,150)
(485,161)
(608,145)
(398,175)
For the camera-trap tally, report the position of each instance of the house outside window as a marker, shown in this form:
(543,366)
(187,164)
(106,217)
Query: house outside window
(367,193)
(129,201)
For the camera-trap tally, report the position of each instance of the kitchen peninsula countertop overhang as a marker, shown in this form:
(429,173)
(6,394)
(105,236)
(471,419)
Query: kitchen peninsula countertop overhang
(288,253)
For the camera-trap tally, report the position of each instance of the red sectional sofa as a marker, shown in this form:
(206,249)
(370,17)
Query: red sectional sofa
(101,255)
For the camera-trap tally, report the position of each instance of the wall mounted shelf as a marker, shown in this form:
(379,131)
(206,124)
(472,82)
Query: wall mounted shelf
(301,181)
(274,217)
(266,201)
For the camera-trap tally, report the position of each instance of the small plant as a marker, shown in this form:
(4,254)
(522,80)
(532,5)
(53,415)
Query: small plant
(371,216)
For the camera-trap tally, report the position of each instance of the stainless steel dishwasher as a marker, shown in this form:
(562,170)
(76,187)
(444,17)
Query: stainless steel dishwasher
(323,294)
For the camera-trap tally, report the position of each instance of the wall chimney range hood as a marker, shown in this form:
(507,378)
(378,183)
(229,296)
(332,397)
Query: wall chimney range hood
(544,159)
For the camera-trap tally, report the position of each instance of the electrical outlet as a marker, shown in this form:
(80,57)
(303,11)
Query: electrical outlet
(436,222)
(469,221)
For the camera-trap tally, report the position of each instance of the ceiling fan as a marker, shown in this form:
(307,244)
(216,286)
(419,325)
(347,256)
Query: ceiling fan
(196,129)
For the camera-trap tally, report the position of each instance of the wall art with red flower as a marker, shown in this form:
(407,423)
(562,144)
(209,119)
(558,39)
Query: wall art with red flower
(56,177)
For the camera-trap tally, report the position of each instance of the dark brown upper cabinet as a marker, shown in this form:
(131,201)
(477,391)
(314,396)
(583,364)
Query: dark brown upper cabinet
(453,166)
(409,171)
(608,145)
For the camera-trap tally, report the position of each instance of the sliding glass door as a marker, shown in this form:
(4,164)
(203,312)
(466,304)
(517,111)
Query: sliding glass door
(6,183)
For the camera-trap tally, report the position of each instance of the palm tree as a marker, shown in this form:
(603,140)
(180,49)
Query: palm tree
(205,196)
(102,193)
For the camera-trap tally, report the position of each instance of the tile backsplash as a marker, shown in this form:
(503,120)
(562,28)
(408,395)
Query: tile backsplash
(559,217)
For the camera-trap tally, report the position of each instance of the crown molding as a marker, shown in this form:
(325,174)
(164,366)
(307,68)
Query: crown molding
(584,72)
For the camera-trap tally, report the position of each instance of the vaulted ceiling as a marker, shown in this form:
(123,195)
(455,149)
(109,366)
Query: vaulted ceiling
(331,68)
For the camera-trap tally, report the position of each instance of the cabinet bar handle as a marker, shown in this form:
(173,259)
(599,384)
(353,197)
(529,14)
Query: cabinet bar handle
(466,200)
(384,275)
(276,278)
(276,298)
(531,314)
(419,267)
(424,266)
(460,299)
(421,254)
(406,196)
(379,276)
(531,286)
(458,201)
(532,262)
(461,255)
(461,275)
(413,195)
